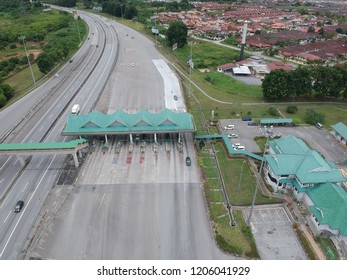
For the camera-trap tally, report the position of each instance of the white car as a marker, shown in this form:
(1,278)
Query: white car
(233,135)
(240,148)
(229,126)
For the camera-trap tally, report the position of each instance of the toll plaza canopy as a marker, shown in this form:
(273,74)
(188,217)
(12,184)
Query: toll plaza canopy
(120,122)
(276,121)
(20,147)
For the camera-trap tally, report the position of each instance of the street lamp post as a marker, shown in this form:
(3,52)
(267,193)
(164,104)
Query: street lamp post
(258,183)
(26,52)
(190,66)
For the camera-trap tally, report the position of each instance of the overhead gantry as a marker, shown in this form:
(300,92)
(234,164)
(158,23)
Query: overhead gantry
(44,148)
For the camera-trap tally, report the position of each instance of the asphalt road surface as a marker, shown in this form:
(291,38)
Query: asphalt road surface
(41,117)
(143,204)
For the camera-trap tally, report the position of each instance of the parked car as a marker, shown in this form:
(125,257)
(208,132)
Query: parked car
(252,123)
(188,161)
(236,145)
(19,206)
(319,125)
(233,135)
(229,126)
(247,119)
(240,148)
(175,97)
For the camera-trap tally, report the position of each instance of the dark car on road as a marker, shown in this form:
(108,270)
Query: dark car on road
(188,161)
(19,206)
(252,123)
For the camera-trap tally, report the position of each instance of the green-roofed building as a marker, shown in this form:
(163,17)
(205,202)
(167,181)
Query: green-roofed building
(290,158)
(340,132)
(276,122)
(315,181)
(120,122)
(328,205)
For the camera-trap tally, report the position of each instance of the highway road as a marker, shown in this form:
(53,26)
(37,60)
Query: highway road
(141,205)
(41,117)
(144,204)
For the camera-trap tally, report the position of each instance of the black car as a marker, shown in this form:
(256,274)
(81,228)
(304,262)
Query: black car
(246,118)
(19,206)
(252,123)
(188,161)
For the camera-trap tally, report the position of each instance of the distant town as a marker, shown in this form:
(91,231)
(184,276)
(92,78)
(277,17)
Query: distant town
(299,31)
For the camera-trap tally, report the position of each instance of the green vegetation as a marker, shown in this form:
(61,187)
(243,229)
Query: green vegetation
(208,55)
(305,243)
(327,247)
(231,170)
(49,37)
(238,239)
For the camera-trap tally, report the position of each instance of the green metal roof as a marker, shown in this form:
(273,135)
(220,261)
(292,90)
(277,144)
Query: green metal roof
(276,121)
(293,157)
(330,205)
(289,145)
(122,122)
(41,146)
(341,129)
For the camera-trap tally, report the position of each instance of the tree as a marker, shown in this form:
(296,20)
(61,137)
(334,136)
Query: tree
(313,117)
(2,99)
(177,33)
(301,81)
(130,12)
(45,63)
(66,3)
(275,85)
(310,29)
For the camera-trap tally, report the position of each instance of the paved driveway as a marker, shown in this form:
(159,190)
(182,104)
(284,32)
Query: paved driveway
(274,235)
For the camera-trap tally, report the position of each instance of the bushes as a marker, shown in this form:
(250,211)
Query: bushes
(292,109)
(273,112)
(313,117)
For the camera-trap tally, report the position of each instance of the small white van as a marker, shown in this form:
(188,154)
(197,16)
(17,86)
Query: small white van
(75,109)
(240,148)
(319,126)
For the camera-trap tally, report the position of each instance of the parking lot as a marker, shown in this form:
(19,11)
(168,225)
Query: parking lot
(274,235)
(320,140)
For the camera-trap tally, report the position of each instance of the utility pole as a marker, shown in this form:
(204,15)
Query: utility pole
(190,66)
(26,52)
(258,183)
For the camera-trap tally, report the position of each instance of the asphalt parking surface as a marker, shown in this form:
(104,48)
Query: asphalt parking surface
(320,140)
(274,235)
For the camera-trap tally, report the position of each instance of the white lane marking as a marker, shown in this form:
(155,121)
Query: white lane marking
(15,162)
(25,186)
(2,180)
(7,216)
(5,162)
(8,240)
(40,163)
